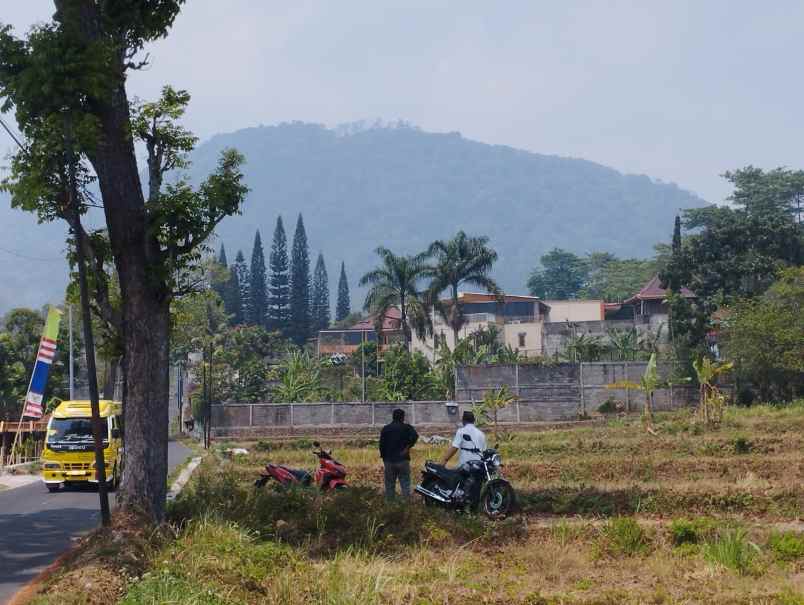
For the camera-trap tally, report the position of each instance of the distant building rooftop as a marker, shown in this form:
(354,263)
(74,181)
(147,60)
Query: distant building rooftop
(653,291)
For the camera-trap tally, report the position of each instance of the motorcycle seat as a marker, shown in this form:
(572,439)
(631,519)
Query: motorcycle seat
(301,475)
(447,474)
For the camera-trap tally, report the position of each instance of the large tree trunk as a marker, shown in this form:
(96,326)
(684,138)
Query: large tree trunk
(144,291)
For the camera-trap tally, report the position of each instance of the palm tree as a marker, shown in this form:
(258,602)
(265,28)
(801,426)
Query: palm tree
(395,284)
(461,260)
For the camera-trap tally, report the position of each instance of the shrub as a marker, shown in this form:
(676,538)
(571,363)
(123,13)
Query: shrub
(356,517)
(732,549)
(610,406)
(787,546)
(691,531)
(742,446)
(624,536)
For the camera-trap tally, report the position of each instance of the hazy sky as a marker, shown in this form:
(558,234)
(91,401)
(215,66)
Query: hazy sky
(679,90)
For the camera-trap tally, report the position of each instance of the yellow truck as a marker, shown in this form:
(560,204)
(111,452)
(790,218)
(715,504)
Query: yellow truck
(69,456)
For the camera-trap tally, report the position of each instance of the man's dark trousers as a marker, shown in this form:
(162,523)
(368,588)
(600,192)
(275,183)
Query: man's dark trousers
(396,439)
(393,471)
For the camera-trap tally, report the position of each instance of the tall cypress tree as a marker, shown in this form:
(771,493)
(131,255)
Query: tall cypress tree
(279,289)
(344,306)
(258,294)
(320,299)
(241,270)
(219,285)
(299,285)
(232,303)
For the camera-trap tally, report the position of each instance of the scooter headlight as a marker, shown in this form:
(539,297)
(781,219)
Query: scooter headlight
(496,461)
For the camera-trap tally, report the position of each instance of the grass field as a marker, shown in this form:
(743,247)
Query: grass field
(609,514)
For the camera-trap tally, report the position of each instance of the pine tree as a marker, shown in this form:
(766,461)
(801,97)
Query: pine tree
(344,306)
(219,280)
(232,302)
(320,299)
(241,271)
(258,295)
(279,290)
(299,286)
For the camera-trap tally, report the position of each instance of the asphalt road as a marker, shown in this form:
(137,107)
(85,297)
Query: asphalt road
(37,526)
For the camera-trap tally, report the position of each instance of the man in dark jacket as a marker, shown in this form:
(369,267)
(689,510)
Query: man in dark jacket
(396,439)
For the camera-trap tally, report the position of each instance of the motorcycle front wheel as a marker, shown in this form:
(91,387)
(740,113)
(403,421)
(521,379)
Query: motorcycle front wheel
(497,498)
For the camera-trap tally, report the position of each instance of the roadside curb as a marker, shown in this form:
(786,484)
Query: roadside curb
(183,478)
(30,590)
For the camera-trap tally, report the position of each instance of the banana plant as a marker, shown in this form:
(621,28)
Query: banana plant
(647,384)
(711,401)
(493,401)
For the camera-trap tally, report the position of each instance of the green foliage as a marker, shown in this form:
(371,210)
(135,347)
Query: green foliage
(320,299)
(623,344)
(243,359)
(735,252)
(344,306)
(300,316)
(406,376)
(561,277)
(279,288)
(787,545)
(691,531)
(624,536)
(462,260)
(324,524)
(493,401)
(365,356)
(598,275)
(299,378)
(240,269)
(711,401)
(584,347)
(765,336)
(257,288)
(395,284)
(733,550)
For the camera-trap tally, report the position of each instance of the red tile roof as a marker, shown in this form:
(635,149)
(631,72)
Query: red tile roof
(653,291)
(390,322)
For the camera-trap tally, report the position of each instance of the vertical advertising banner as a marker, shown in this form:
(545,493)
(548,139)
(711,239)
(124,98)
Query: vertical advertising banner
(44,359)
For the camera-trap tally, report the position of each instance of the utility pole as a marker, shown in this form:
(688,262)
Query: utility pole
(72,377)
(363,361)
(89,344)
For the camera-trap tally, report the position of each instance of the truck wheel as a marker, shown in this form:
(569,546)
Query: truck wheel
(53,488)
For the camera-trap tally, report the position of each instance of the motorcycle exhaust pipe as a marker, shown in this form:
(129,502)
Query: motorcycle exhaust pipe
(433,495)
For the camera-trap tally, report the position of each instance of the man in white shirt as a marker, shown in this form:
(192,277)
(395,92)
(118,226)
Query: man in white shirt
(466,448)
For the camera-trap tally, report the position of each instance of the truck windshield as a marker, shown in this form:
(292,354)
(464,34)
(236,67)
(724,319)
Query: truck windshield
(70,429)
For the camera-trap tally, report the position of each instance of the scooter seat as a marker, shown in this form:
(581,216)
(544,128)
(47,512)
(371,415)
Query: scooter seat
(302,476)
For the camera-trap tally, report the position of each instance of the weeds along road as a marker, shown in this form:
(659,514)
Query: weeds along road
(37,526)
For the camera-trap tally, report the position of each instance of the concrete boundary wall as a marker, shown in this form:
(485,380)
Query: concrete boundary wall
(565,390)
(555,393)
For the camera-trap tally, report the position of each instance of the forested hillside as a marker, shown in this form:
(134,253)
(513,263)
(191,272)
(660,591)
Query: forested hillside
(359,187)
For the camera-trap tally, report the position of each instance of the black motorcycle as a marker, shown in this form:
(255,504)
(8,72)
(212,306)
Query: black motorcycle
(476,484)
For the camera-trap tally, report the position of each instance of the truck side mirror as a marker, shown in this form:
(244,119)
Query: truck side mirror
(116,433)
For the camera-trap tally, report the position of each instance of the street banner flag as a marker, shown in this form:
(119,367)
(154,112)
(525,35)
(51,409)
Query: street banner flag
(44,357)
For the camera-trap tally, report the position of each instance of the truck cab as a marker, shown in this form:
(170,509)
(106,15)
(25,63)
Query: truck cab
(69,457)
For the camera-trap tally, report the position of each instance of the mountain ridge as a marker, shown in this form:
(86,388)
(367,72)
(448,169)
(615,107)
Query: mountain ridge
(401,187)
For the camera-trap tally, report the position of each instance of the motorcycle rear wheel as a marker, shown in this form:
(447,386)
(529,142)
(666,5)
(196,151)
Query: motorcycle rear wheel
(497,498)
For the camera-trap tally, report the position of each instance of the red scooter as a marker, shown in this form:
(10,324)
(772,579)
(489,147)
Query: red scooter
(330,473)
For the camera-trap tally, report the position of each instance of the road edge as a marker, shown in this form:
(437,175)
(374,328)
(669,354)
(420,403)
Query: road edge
(31,590)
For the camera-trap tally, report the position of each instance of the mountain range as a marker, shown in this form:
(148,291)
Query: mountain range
(361,186)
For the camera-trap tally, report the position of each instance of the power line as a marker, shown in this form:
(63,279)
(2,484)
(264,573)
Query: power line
(17,254)
(11,134)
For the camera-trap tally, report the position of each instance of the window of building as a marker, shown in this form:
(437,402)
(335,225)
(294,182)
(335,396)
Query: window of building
(522,339)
